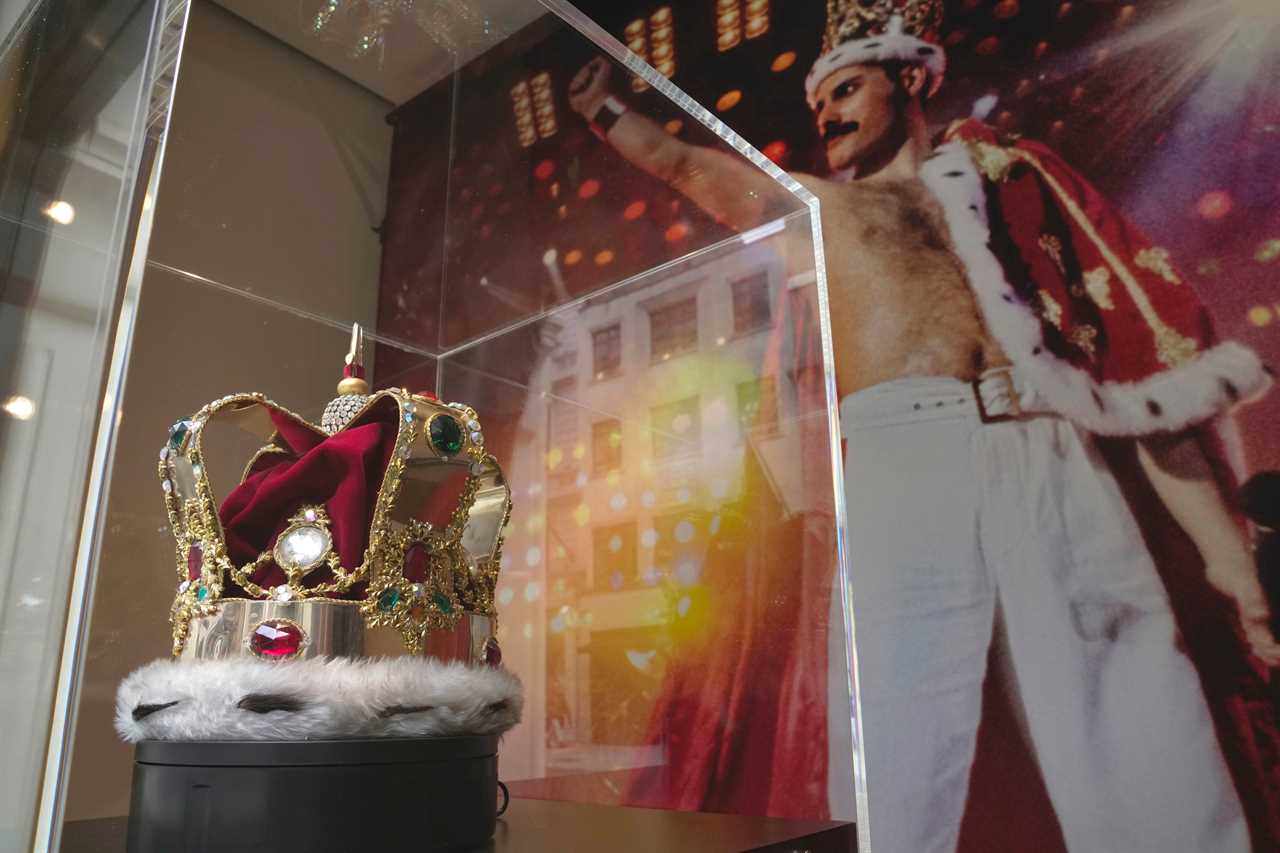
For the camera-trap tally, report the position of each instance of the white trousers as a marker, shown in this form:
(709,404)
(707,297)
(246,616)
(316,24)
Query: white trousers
(962,533)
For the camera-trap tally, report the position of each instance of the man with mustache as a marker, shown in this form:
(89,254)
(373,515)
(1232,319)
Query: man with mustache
(989,312)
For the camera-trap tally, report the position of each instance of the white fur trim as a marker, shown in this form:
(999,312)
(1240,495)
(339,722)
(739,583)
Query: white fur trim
(1169,401)
(336,698)
(882,48)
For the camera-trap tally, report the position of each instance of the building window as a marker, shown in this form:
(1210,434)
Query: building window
(757,404)
(606,351)
(751,303)
(606,446)
(673,329)
(677,428)
(613,557)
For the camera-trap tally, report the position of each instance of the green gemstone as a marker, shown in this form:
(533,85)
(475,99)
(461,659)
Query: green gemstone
(442,602)
(178,434)
(389,599)
(202,592)
(446,434)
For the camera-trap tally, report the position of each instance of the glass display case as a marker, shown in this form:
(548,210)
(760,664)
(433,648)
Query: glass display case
(655,379)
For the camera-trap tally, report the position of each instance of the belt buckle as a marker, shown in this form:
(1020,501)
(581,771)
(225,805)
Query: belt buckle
(1015,404)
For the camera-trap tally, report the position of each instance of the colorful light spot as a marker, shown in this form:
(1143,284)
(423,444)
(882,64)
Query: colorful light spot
(589,188)
(674,126)
(572,257)
(685,531)
(1268,251)
(532,590)
(729,100)
(783,61)
(582,515)
(1260,315)
(634,211)
(544,170)
(676,231)
(775,150)
(1214,205)
(533,556)
(604,258)
(649,538)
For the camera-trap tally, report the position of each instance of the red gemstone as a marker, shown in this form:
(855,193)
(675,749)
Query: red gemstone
(276,639)
(195,562)
(415,563)
(492,652)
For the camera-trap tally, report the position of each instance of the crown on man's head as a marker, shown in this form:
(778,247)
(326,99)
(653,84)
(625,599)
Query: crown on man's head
(863,31)
(390,513)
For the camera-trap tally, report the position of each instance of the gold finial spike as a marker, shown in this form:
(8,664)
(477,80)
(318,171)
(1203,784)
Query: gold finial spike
(353,381)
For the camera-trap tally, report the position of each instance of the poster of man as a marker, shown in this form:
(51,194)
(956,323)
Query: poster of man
(1044,378)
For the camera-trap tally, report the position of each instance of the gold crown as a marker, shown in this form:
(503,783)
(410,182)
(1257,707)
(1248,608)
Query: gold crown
(848,20)
(265,574)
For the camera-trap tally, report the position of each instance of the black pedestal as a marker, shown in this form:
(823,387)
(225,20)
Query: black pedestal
(388,795)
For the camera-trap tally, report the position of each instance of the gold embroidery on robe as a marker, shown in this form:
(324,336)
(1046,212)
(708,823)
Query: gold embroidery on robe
(1083,336)
(1050,309)
(1098,283)
(992,160)
(1172,348)
(1052,247)
(1156,259)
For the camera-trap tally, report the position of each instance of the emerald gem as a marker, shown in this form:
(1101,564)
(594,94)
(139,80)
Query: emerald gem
(442,602)
(446,434)
(202,592)
(389,599)
(178,434)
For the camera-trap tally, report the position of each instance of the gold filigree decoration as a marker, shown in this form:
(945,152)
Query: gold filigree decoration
(1097,282)
(1156,259)
(1052,247)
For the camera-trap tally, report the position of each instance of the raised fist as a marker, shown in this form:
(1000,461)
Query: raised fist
(589,87)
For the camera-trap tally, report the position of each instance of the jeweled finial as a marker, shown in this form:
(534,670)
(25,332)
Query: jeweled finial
(353,389)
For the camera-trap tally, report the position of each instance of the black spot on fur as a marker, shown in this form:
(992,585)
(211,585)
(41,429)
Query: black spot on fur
(397,710)
(1154,408)
(954,174)
(1267,369)
(871,45)
(924,51)
(265,703)
(142,711)
(1036,350)
(498,707)
(1097,398)
(1229,388)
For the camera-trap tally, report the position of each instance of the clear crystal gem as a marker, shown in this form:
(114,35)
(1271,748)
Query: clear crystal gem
(164,453)
(477,469)
(167,485)
(184,586)
(310,515)
(303,546)
(282,593)
(419,590)
(477,438)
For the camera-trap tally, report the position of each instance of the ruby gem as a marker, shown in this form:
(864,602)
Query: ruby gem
(276,639)
(195,562)
(415,563)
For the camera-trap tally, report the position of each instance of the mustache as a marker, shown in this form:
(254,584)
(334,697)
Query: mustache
(832,129)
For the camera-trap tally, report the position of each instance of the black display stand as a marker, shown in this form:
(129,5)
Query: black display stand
(342,796)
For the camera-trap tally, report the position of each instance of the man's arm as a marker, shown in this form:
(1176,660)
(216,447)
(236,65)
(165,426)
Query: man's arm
(1185,482)
(732,190)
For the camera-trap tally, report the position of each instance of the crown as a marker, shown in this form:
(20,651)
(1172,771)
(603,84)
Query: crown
(860,31)
(390,513)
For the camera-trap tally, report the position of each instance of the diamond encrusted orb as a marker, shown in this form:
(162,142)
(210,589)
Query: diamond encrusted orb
(302,547)
(446,434)
(341,410)
(277,639)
